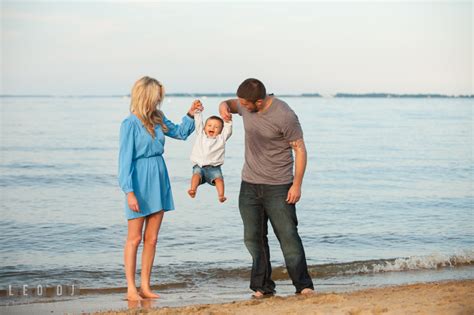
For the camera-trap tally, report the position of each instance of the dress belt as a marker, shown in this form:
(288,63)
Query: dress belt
(149,157)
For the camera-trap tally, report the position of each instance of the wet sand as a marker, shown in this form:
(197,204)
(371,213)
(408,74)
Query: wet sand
(450,297)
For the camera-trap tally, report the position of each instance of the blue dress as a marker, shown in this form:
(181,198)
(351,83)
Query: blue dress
(142,168)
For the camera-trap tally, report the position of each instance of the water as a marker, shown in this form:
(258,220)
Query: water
(388,187)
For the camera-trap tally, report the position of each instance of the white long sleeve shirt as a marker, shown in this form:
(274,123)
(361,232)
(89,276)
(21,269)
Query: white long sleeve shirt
(206,150)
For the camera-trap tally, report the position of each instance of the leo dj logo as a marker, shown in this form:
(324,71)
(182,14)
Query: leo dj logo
(40,290)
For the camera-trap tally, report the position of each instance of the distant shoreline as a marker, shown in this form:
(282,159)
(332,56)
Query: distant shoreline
(309,95)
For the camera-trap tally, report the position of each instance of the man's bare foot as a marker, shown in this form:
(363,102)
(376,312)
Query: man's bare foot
(222,198)
(134,296)
(307,291)
(134,304)
(192,193)
(148,294)
(260,295)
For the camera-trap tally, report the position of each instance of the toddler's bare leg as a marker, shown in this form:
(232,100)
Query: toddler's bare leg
(195,180)
(220,189)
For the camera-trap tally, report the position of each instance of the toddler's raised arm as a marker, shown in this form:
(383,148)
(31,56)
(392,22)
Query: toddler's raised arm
(227,130)
(198,123)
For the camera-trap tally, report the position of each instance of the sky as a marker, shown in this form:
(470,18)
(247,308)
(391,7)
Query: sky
(102,48)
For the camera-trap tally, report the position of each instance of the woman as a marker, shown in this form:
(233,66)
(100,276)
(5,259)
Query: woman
(143,176)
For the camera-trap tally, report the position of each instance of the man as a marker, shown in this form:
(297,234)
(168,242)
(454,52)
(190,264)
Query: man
(268,189)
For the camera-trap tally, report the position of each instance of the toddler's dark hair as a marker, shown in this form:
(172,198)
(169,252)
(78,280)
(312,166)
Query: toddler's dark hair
(216,118)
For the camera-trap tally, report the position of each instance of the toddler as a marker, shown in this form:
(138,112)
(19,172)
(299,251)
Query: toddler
(208,153)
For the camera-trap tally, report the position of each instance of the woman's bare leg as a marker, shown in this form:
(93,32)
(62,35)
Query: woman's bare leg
(220,189)
(195,180)
(134,238)
(152,228)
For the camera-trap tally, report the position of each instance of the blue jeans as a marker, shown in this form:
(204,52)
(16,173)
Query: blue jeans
(257,204)
(208,173)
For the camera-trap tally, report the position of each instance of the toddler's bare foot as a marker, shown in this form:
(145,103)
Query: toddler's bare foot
(148,294)
(133,296)
(222,198)
(192,193)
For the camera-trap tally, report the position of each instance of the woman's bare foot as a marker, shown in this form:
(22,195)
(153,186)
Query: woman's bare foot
(307,291)
(192,193)
(133,296)
(148,294)
(222,198)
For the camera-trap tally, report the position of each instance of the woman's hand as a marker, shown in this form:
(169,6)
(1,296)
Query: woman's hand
(133,202)
(197,105)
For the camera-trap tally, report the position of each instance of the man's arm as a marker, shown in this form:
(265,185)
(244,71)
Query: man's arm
(227,108)
(298,146)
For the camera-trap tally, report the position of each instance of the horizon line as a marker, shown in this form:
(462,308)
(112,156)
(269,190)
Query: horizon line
(215,94)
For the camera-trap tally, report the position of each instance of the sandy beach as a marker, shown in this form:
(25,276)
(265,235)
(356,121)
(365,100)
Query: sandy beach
(450,297)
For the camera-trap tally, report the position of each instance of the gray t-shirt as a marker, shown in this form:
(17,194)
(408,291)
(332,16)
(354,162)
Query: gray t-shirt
(268,154)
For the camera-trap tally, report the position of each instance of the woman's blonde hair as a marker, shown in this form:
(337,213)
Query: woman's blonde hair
(147,95)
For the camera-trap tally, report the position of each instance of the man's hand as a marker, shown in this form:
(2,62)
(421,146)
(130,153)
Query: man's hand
(224,111)
(298,146)
(133,202)
(294,194)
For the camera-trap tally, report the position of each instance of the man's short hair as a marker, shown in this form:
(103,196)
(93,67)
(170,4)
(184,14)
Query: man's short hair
(252,90)
(216,118)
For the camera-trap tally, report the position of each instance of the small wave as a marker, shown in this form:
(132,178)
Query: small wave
(434,261)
